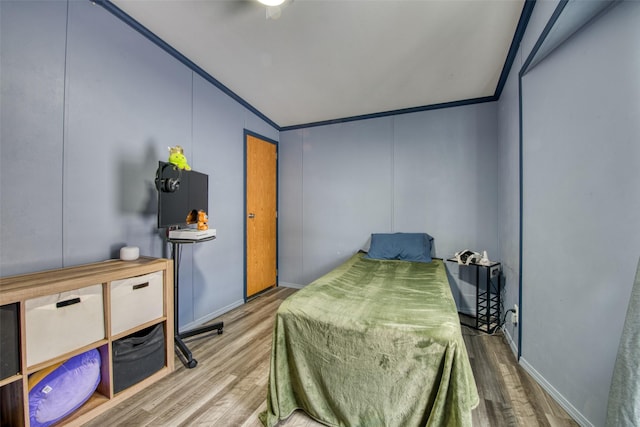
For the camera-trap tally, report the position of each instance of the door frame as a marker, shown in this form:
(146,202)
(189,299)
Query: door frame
(247,132)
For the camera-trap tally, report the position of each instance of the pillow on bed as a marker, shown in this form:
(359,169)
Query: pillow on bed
(401,246)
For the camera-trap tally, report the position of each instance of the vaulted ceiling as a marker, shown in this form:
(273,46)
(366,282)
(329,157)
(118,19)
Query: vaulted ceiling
(315,61)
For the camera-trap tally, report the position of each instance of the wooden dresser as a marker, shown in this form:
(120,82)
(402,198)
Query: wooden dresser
(51,316)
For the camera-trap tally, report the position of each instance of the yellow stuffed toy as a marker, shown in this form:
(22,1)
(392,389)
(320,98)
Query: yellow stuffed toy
(177,157)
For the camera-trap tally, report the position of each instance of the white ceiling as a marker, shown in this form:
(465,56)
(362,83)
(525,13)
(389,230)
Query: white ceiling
(334,59)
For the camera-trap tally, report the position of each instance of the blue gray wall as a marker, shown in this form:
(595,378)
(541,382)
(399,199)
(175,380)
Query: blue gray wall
(89,106)
(432,171)
(509,166)
(581,203)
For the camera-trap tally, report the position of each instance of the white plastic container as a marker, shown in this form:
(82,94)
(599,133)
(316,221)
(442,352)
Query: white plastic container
(60,323)
(135,301)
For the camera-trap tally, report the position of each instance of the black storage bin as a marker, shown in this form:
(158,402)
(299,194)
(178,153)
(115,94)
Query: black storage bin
(138,356)
(9,341)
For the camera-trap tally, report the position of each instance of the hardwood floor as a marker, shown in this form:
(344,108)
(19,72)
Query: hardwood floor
(508,394)
(228,387)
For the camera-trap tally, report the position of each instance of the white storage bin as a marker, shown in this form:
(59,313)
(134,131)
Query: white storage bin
(135,301)
(60,323)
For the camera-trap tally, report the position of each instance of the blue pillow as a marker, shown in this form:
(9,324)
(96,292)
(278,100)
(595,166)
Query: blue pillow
(401,246)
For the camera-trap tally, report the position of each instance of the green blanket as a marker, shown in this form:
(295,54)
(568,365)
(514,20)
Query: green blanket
(372,343)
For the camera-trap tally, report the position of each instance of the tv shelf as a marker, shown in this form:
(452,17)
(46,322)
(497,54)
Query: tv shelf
(58,314)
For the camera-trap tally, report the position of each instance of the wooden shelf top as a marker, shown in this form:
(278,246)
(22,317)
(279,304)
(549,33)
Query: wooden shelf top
(30,285)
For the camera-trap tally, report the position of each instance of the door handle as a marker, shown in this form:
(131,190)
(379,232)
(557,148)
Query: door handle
(251,215)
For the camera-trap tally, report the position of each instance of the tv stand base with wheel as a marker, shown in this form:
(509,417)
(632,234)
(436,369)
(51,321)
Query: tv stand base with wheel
(189,361)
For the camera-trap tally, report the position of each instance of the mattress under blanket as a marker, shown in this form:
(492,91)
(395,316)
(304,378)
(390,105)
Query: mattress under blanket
(372,343)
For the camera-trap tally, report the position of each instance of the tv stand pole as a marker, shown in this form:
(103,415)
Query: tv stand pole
(189,361)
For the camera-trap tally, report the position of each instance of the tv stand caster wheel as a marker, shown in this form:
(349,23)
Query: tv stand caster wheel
(192,363)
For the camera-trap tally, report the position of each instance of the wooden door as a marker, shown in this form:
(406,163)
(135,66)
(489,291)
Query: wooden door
(261,214)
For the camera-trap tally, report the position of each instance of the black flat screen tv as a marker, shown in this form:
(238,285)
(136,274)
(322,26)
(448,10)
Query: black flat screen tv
(180,192)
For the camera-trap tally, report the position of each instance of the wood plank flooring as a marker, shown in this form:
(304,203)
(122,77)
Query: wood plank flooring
(228,387)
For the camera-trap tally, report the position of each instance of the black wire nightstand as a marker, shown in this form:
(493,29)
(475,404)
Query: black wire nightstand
(488,302)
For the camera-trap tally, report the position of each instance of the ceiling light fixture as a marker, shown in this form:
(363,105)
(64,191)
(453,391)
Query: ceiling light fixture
(271,2)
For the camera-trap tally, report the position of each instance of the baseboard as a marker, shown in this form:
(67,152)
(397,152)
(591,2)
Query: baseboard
(467,313)
(290,285)
(509,338)
(201,321)
(555,394)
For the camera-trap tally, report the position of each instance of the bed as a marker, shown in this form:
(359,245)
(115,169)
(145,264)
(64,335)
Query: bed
(374,342)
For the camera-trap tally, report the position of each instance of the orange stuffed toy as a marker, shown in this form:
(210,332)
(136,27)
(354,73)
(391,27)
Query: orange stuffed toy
(203,220)
(198,217)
